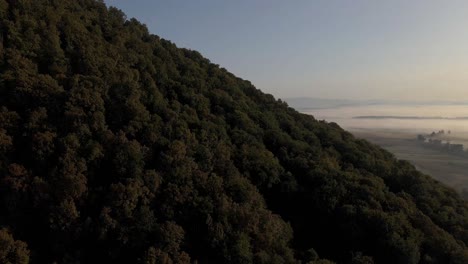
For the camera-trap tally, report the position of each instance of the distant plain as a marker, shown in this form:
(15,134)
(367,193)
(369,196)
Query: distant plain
(395,128)
(445,167)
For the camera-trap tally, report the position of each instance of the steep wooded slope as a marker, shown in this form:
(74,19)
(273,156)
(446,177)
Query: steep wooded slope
(117,146)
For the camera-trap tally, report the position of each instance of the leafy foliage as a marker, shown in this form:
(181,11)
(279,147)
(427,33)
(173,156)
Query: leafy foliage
(117,146)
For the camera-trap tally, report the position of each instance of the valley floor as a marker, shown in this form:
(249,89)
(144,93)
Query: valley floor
(445,167)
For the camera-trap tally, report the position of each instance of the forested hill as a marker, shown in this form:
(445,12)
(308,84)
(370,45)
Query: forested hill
(118,147)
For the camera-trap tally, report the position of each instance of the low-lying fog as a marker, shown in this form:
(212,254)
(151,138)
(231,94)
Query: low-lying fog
(416,118)
(395,128)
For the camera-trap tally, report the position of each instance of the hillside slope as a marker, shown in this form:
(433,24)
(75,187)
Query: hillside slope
(117,146)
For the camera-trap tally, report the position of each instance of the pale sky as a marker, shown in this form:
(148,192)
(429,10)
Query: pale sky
(354,49)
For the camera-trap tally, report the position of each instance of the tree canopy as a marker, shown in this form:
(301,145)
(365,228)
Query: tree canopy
(117,146)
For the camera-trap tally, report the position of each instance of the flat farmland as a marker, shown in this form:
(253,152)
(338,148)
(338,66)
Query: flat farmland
(450,169)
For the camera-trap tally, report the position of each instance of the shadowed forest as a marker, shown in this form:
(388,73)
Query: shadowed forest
(118,147)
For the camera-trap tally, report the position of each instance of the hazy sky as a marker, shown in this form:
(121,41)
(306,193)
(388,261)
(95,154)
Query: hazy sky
(395,49)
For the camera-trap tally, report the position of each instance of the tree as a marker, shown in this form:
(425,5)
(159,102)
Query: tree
(11,250)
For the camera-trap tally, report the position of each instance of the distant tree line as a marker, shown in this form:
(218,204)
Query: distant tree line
(433,141)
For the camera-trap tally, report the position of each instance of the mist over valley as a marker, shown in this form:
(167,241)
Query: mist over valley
(395,126)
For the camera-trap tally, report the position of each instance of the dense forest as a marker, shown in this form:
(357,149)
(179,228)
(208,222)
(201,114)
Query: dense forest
(118,147)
